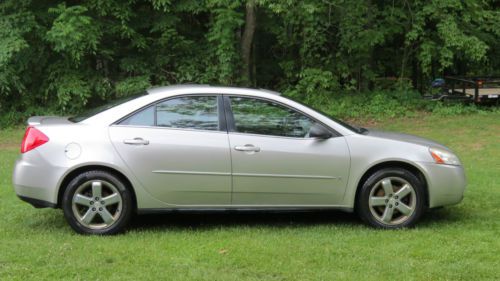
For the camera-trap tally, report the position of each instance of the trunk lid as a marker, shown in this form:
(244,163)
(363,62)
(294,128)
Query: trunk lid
(47,120)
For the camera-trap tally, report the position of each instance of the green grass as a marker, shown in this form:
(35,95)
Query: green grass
(455,243)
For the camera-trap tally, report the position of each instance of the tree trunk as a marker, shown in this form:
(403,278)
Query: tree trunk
(246,42)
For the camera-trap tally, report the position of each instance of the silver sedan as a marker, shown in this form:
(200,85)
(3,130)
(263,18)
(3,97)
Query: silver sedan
(201,147)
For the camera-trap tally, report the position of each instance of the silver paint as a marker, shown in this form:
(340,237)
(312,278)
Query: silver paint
(195,169)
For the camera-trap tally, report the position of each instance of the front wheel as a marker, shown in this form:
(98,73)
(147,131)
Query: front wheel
(97,202)
(391,198)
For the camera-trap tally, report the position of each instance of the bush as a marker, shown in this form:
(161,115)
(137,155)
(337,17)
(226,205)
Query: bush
(390,104)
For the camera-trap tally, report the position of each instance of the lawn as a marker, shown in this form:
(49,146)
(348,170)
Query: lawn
(455,243)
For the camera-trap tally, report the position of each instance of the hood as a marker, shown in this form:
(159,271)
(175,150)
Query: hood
(405,138)
(47,120)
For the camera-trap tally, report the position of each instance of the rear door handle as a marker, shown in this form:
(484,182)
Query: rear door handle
(136,141)
(247,148)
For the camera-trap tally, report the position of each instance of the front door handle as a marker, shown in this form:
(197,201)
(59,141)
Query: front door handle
(247,148)
(136,141)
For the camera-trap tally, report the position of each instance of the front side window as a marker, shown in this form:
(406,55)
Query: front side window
(188,112)
(256,116)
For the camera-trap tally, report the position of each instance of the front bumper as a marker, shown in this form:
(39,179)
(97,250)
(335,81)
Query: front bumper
(446,183)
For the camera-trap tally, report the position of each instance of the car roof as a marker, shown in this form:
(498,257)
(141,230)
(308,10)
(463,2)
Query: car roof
(200,88)
(162,89)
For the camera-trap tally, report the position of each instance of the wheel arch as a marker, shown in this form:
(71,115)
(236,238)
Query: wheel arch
(82,169)
(393,164)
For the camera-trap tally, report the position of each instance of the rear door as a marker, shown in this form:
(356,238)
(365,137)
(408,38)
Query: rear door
(178,149)
(275,163)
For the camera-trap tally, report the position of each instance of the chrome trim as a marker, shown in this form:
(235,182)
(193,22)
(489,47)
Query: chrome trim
(136,141)
(169,128)
(271,136)
(284,176)
(247,148)
(191,173)
(243,174)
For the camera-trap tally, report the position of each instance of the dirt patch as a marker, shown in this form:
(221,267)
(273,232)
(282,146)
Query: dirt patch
(9,146)
(477,146)
(368,123)
(418,120)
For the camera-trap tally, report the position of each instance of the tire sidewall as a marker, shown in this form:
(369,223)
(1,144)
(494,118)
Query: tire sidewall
(125,213)
(364,196)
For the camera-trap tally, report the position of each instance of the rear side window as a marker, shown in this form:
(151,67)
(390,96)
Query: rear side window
(188,112)
(145,117)
(256,116)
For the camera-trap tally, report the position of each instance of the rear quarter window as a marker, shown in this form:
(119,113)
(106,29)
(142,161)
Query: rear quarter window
(110,104)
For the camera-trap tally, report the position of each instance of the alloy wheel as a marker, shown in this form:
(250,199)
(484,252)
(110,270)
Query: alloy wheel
(392,201)
(97,204)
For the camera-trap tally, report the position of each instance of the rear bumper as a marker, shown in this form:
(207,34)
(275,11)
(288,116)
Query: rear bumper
(37,203)
(35,180)
(446,184)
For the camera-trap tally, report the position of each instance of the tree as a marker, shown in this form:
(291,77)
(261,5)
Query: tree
(61,56)
(247,42)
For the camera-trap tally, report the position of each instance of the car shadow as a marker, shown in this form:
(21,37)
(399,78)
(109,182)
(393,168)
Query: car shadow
(215,220)
(443,216)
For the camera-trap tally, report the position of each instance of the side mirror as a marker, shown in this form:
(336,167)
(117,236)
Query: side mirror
(319,132)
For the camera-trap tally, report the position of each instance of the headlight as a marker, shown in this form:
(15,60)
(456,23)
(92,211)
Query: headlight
(444,157)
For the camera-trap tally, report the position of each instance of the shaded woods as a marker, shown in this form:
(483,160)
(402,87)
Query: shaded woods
(59,56)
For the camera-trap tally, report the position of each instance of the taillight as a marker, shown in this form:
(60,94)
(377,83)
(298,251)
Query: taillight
(33,138)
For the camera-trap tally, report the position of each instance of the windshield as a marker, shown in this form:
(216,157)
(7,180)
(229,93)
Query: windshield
(355,129)
(110,104)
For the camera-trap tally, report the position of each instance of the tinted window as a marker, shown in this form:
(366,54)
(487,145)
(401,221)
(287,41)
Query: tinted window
(145,117)
(197,112)
(255,116)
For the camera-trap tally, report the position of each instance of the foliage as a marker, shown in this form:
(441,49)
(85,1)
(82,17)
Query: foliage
(132,85)
(222,34)
(60,56)
(73,33)
(380,105)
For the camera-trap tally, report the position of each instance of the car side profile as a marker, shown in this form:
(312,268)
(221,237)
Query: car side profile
(201,147)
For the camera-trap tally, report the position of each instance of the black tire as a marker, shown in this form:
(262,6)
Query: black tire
(109,183)
(373,214)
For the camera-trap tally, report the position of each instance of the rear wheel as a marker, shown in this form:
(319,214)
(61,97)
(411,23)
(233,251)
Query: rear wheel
(391,198)
(97,202)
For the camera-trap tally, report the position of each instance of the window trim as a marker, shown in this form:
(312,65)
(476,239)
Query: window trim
(232,127)
(222,126)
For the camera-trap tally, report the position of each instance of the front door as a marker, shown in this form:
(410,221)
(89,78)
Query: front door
(275,163)
(178,151)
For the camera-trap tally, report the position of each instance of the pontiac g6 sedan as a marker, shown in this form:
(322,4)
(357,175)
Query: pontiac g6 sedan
(200,147)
